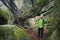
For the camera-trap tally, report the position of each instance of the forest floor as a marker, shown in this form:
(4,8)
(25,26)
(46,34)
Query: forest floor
(33,34)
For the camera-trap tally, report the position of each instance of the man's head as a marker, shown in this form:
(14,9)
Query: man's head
(41,16)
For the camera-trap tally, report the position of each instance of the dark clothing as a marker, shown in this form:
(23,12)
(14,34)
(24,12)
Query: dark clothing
(40,32)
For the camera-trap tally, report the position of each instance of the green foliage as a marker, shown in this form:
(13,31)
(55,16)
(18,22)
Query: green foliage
(11,32)
(52,27)
(52,23)
(52,19)
(55,21)
(57,6)
(39,4)
(6,14)
(53,36)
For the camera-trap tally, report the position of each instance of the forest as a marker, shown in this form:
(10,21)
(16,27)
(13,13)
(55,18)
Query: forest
(18,19)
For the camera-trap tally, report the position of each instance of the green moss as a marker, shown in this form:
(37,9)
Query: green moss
(7,15)
(11,32)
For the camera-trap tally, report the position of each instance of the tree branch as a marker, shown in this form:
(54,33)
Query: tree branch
(47,10)
(47,3)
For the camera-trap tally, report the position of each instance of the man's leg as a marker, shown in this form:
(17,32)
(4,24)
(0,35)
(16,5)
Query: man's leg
(42,32)
(38,32)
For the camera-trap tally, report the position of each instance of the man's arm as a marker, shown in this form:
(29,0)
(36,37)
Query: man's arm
(45,21)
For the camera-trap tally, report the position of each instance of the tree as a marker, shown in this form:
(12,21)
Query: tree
(11,6)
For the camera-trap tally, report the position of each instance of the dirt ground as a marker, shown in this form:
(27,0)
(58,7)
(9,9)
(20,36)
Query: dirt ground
(33,34)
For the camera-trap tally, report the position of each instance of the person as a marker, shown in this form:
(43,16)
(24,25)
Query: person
(40,23)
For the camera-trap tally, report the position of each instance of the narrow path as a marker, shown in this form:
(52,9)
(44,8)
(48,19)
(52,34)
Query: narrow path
(33,34)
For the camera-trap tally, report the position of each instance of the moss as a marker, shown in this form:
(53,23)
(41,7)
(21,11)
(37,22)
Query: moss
(11,32)
(7,15)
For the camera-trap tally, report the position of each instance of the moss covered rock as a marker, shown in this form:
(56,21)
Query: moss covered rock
(6,17)
(12,32)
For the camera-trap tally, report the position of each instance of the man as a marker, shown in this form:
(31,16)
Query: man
(40,24)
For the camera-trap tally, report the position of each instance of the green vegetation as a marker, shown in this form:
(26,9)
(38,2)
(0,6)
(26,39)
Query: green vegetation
(39,4)
(7,15)
(54,35)
(11,32)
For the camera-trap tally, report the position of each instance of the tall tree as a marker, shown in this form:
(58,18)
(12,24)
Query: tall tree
(11,6)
